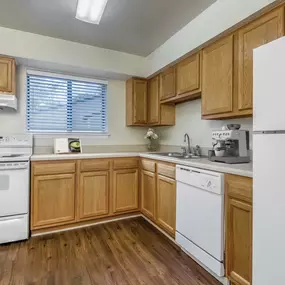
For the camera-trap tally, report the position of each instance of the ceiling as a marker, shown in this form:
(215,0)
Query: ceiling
(131,26)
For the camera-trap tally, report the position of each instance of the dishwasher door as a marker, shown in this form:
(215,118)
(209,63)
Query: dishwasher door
(200,216)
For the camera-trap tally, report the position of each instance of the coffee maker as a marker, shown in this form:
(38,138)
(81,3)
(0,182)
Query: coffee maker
(230,146)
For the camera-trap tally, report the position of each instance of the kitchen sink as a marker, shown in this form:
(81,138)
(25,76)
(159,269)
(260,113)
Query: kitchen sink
(178,155)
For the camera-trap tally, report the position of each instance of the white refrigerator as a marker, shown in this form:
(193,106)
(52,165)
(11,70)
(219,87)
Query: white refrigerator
(269,164)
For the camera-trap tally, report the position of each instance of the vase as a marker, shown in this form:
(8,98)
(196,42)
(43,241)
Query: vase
(151,146)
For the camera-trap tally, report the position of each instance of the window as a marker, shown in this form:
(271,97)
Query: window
(63,104)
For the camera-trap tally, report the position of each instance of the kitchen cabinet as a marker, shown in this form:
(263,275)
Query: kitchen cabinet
(93,194)
(53,200)
(218,70)
(188,77)
(148,194)
(239,229)
(158,114)
(167,84)
(227,90)
(125,190)
(136,102)
(166,204)
(7,75)
(158,194)
(261,31)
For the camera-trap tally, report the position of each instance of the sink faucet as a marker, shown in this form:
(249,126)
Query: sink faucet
(187,139)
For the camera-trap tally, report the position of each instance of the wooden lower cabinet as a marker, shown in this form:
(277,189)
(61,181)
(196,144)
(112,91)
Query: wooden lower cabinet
(93,194)
(158,194)
(125,190)
(53,200)
(148,194)
(239,229)
(166,204)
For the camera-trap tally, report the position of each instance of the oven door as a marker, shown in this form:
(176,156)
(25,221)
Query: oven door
(14,188)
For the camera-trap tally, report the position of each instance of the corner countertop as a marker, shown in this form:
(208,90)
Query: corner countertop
(202,163)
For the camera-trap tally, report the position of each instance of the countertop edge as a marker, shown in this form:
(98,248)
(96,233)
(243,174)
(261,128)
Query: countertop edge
(203,163)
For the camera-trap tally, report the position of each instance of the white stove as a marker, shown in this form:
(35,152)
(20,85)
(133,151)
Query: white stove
(15,153)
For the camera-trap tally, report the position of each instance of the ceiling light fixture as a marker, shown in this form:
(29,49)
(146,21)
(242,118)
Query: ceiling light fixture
(90,11)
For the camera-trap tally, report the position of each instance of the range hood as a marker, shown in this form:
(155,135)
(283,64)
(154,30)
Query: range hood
(8,102)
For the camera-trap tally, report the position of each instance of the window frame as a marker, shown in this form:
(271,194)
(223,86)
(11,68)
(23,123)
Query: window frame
(44,133)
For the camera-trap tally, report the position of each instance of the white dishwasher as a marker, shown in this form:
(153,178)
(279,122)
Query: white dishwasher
(200,216)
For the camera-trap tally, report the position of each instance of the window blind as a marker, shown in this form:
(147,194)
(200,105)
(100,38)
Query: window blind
(59,104)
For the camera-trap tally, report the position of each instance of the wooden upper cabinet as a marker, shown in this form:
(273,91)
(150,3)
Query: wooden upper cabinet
(188,75)
(239,229)
(148,194)
(93,194)
(53,200)
(261,31)
(7,75)
(125,190)
(218,70)
(158,114)
(166,204)
(167,83)
(153,101)
(136,101)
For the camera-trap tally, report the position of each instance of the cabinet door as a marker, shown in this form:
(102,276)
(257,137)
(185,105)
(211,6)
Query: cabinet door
(166,204)
(93,194)
(125,190)
(188,75)
(153,101)
(167,84)
(53,200)
(140,101)
(262,31)
(239,241)
(148,194)
(217,87)
(7,75)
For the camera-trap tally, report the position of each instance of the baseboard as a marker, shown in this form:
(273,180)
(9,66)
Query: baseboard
(81,225)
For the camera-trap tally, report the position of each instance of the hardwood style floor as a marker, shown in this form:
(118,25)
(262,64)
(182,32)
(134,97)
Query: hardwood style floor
(129,252)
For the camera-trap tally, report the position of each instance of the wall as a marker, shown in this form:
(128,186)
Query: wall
(12,122)
(34,47)
(219,17)
(188,120)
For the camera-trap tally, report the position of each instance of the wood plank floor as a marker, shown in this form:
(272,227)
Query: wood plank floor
(125,252)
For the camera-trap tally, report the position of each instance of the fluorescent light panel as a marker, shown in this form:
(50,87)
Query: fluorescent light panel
(90,11)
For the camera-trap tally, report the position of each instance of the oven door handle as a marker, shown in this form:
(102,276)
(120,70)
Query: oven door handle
(14,166)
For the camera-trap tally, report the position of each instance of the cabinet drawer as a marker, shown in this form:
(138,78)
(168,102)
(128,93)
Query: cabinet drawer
(125,163)
(57,167)
(239,187)
(94,165)
(166,170)
(148,165)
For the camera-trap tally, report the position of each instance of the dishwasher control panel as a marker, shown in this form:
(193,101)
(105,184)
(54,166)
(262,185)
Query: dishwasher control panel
(200,178)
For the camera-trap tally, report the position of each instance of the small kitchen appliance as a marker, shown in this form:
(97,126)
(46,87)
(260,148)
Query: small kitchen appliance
(230,146)
(15,153)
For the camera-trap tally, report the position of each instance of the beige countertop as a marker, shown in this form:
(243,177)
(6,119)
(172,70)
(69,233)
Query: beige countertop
(202,163)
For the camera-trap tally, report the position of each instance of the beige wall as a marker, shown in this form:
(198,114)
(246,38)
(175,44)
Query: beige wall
(14,122)
(188,120)
(104,62)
